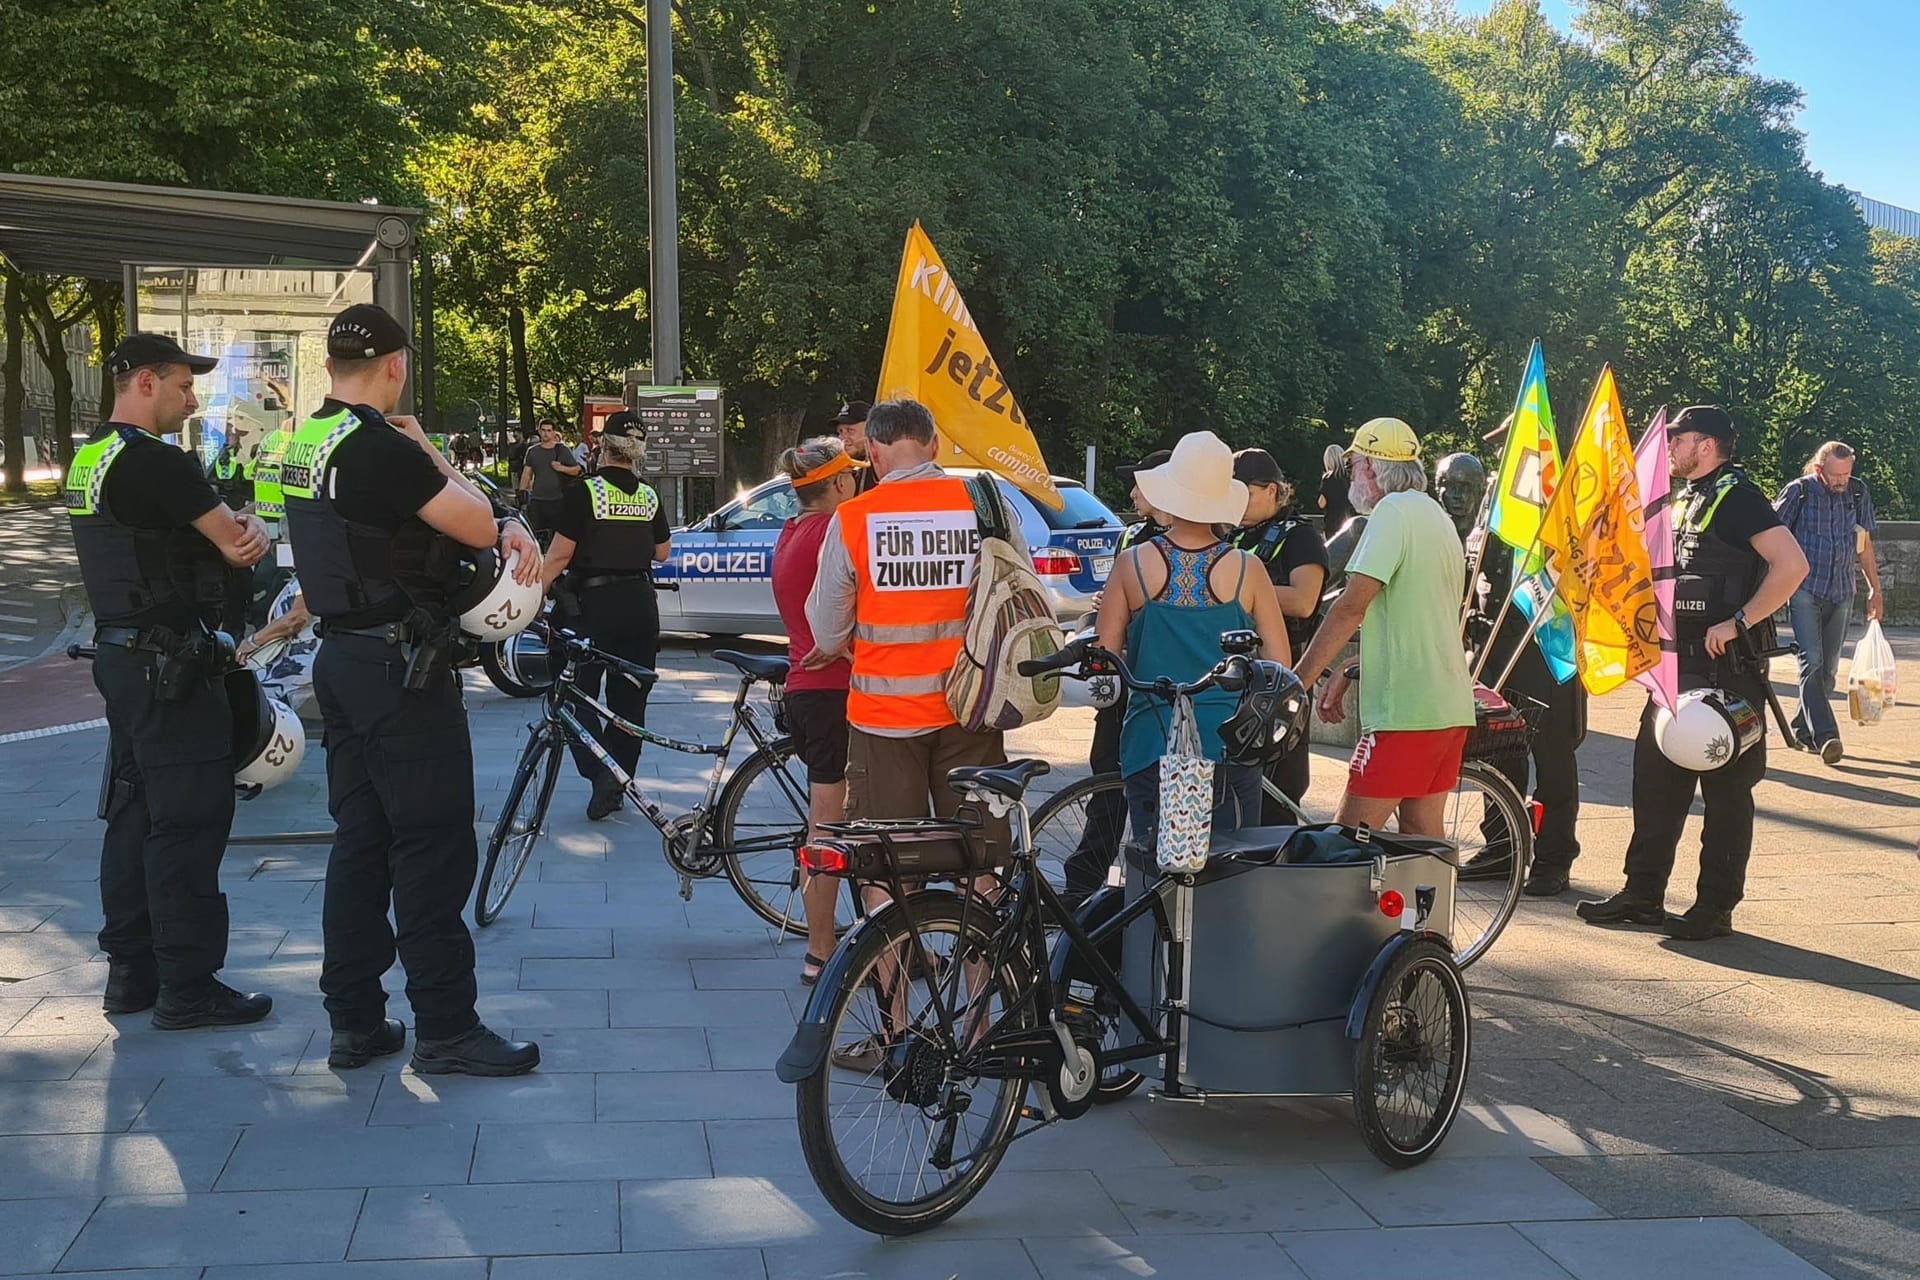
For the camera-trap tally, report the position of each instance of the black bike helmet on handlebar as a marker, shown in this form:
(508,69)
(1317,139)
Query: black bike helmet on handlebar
(1271,719)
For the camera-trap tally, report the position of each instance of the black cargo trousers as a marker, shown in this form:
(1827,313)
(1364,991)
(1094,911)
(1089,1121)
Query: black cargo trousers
(400,789)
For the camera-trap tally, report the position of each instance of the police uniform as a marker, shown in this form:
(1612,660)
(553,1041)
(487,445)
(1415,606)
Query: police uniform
(1285,543)
(1555,781)
(156,585)
(230,481)
(1717,571)
(615,521)
(399,755)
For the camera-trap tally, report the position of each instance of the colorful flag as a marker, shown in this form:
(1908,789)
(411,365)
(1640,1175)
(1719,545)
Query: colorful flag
(1656,509)
(1596,544)
(1529,473)
(936,355)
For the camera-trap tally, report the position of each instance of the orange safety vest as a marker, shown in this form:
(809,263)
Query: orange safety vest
(913,544)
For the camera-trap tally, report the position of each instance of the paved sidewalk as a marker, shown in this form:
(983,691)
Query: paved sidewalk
(1639,1108)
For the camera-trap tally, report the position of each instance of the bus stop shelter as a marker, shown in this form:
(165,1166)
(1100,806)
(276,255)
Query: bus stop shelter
(249,279)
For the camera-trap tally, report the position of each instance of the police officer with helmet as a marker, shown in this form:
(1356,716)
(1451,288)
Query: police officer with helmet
(155,544)
(1295,557)
(610,532)
(385,533)
(1735,565)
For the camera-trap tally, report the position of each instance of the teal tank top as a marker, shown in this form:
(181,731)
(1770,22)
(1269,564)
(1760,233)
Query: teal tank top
(1177,635)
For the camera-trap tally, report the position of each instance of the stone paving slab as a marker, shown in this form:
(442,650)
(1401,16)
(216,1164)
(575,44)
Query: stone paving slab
(1631,1100)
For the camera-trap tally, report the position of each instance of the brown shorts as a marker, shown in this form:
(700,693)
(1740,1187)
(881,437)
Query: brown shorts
(907,777)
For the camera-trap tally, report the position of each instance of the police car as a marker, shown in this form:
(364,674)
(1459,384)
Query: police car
(723,565)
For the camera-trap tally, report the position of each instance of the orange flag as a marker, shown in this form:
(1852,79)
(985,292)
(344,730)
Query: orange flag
(936,355)
(1596,542)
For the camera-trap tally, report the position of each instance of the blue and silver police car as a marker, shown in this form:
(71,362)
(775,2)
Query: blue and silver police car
(723,564)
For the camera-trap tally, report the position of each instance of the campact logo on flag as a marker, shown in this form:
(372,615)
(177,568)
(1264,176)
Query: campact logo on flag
(935,354)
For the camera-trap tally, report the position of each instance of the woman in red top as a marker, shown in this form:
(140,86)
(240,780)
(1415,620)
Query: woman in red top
(824,476)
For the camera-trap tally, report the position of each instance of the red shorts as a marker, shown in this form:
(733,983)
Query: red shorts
(1394,764)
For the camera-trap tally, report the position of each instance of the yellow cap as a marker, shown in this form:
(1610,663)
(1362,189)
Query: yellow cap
(1387,439)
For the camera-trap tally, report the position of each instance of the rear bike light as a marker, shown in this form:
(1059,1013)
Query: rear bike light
(1536,813)
(1392,904)
(822,859)
(1054,560)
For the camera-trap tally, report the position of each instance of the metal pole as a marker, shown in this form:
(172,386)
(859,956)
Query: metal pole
(1092,452)
(429,401)
(663,211)
(510,481)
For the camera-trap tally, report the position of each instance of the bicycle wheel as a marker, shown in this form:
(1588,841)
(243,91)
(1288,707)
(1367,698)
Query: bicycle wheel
(517,829)
(759,822)
(1484,814)
(1410,1067)
(1087,816)
(898,1129)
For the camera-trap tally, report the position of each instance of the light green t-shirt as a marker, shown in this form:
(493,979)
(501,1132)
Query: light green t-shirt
(1413,669)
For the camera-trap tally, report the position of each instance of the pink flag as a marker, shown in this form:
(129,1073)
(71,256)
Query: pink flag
(1656,507)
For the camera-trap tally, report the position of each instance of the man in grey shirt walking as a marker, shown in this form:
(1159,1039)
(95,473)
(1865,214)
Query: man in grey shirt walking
(541,477)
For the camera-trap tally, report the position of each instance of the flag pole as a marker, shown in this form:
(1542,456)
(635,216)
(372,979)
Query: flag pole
(1506,606)
(1531,637)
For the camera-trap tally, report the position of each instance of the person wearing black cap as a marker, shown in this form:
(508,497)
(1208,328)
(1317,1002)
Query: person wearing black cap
(1735,564)
(1295,556)
(155,544)
(851,425)
(1086,867)
(381,524)
(610,532)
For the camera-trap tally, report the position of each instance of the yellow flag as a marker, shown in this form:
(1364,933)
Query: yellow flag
(1596,542)
(936,355)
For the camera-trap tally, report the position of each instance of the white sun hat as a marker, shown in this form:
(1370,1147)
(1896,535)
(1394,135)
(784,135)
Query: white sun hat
(1197,483)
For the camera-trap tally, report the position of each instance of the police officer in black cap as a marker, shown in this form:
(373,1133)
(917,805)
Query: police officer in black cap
(609,534)
(382,528)
(155,544)
(1735,564)
(851,425)
(230,480)
(1296,559)
(1086,867)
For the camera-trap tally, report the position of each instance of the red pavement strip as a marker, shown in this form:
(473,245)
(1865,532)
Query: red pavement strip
(51,692)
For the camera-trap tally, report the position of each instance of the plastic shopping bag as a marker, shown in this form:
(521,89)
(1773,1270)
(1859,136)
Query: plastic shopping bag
(1186,796)
(1873,683)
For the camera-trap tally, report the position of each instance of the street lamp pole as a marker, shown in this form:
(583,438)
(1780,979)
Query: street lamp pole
(663,206)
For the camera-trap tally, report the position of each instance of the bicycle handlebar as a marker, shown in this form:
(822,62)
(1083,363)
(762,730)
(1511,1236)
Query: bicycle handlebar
(1231,674)
(583,651)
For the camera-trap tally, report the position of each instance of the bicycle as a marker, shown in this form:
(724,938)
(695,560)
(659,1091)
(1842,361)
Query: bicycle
(746,826)
(940,1013)
(1484,801)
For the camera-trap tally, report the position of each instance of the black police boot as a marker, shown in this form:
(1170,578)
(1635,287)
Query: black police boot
(1545,881)
(479,1052)
(1698,924)
(208,1004)
(350,1049)
(606,800)
(132,987)
(1623,907)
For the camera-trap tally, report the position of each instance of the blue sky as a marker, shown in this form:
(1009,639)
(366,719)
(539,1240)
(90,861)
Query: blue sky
(1857,63)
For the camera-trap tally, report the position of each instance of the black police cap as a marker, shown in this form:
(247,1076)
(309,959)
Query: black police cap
(851,412)
(625,423)
(151,350)
(1708,420)
(1158,458)
(365,331)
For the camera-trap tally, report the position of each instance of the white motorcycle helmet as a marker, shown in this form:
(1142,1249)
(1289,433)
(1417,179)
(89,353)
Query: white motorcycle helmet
(268,740)
(1707,730)
(494,606)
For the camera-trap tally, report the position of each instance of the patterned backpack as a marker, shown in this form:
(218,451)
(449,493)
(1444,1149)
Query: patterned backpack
(1009,620)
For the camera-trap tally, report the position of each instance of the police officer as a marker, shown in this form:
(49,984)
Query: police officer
(1295,556)
(850,424)
(1086,867)
(230,480)
(381,526)
(155,543)
(1735,565)
(608,535)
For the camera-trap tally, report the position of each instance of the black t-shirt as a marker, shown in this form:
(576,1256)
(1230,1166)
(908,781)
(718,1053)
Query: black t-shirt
(378,476)
(576,507)
(1336,503)
(1742,515)
(153,485)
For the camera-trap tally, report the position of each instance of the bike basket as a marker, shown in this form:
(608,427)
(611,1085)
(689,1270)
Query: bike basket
(910,849)
(1499,728)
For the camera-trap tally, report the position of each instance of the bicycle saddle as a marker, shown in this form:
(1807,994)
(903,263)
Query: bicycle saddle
(772,670)
(1009,779)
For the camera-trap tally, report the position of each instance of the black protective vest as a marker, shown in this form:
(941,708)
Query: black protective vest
(1712,578)
(1263,541)
(350,570)
(619,535)
(169,577)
